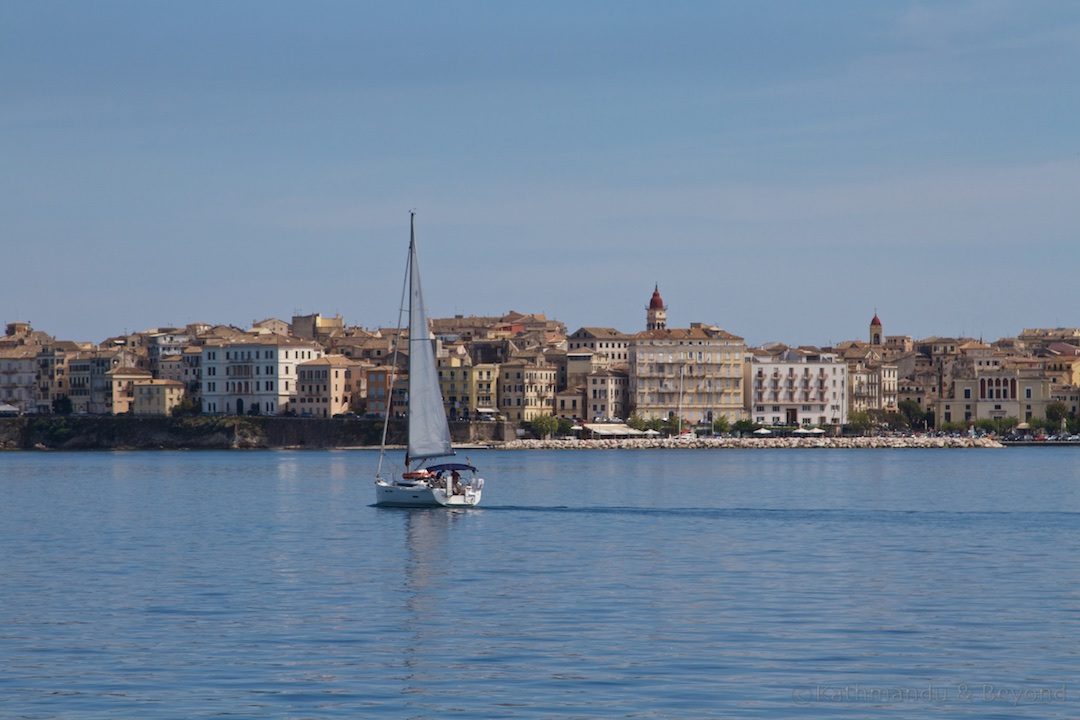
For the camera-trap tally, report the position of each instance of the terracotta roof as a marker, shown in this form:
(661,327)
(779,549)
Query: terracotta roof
(268,339)
(696,333)
(599,332)
(129,371)
(332,360)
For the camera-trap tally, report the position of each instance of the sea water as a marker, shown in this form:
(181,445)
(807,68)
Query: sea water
(589,584)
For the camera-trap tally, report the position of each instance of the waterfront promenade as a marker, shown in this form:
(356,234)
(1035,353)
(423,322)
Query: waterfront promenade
(751,443)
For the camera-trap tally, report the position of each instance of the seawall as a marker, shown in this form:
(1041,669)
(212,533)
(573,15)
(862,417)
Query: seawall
(56,432)
(754,443)
(86,432)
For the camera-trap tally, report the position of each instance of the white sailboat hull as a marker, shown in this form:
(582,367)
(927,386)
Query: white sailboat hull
(420,494)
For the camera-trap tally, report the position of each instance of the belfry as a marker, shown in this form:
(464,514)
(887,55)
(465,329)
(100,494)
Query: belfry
(656,318)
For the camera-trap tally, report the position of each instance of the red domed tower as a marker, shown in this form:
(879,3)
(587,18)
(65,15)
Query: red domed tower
(875,331)
(656,319)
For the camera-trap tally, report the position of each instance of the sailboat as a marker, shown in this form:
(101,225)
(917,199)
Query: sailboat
(420,484)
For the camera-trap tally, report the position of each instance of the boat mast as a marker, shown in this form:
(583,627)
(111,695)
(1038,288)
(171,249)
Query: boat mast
(682,371)
(397,344)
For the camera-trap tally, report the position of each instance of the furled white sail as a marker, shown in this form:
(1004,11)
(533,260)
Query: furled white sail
(429,434)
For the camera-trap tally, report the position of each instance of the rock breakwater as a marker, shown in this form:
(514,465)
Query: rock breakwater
(752,443)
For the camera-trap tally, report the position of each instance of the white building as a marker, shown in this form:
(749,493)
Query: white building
(18,377)
(253,374)
(609,347)
(795,386)
(163,342)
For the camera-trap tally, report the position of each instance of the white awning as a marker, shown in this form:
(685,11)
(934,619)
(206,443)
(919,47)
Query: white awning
(612,429)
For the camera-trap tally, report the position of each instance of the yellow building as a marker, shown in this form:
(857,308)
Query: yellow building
(1063,364)
(156,397)
(328,386)
(122,388)
(527,388)
(695,373)
(1022,394)
(468,390)
(378,380)
(606,395)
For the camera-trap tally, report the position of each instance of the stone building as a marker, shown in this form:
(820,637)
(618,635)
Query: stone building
(695,373)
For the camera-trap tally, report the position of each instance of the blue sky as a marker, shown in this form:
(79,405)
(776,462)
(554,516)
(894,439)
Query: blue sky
(780,169)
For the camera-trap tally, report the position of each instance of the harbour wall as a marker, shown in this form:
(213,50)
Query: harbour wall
(87,432)
(84,432)
(753,443)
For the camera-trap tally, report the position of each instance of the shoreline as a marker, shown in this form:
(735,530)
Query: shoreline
(752,443)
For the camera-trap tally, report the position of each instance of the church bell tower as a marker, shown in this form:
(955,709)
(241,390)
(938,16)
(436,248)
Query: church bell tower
(876,337)
(656,317)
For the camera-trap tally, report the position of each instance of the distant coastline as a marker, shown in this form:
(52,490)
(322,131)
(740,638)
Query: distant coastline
(753,443)
(53,432)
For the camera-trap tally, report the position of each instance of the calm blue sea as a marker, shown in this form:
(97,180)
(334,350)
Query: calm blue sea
(591,584)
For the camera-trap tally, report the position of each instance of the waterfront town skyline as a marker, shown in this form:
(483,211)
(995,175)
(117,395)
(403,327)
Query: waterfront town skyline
(522,366)
(755,334)
(745,333)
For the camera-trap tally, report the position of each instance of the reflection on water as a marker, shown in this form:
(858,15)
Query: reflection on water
(590,584)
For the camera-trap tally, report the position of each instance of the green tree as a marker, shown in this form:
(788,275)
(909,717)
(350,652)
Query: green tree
(565,426)
(1056,412)
(544,426)
(656,424)
(62,405)
(913,412)
(636,422)
(744,426)
(676,424)
(895,421)
(930,420)
(186,408)
(1005,425)
(859,421)
(1043,425)
(720,425)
